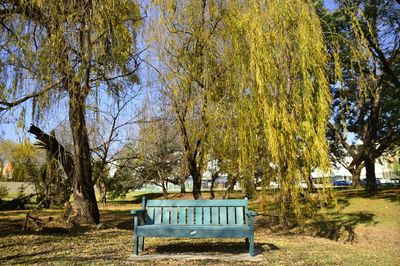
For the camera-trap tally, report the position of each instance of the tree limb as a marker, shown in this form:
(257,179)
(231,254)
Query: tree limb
(7,105)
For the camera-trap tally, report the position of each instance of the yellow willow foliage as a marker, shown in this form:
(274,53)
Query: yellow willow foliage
(278,53)
(271,98)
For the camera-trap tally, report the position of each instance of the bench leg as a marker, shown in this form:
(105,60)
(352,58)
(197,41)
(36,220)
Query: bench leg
(141,244)
(252,246)
(135,245)
(246,243)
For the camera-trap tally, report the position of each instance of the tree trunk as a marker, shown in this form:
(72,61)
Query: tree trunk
(103,192)
(165,190)
(231,186)
(214,177)
(310,184)
(248,188)
(355,175)
(183,188)
(370,171)
(83,191)
(196,176)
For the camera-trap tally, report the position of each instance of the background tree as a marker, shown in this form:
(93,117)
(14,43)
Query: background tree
(184,38)
(366,62)
(160,152)
(24,158)
(68,51)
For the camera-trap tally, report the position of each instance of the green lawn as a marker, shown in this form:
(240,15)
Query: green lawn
(360,230)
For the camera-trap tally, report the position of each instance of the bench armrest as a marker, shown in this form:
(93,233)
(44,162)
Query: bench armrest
(251,213)
(137,212)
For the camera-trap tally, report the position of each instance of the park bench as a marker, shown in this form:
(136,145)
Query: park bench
(193,219)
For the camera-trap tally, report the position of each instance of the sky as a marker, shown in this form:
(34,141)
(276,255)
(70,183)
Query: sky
(58,114)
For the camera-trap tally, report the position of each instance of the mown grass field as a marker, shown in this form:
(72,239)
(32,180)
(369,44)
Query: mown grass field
(360,230)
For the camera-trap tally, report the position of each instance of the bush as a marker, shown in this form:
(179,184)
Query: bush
(3,191)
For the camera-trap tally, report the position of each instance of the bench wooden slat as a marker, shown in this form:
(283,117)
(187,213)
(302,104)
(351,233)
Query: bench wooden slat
(165,219)
(239,215)
(222,215)
(214,215)
(157,215)
(199,215)
(196,203)
(174,215)
(150,215)
(190,215)
(231,215)
(206,215)
(182,215)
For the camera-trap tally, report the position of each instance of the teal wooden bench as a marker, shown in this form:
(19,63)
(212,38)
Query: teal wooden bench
(193,219)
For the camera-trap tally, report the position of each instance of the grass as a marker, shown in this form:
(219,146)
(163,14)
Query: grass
(361,230)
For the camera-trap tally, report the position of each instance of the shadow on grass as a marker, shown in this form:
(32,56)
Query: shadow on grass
(211,247)
(339,227)
(390,194)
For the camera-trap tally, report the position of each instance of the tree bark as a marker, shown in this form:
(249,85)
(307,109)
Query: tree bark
(83,191)
(214,177)
(355,175)
(103,192)
(183,188)
(370,171)
(232,182)
(196,177)
(164,190)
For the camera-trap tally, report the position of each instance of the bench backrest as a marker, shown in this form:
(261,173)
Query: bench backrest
(196,212)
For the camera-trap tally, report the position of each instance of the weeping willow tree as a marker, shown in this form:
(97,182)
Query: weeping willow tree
(67,52)
(281,92)
(260,72)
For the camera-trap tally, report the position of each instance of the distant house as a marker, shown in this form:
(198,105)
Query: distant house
(8,170)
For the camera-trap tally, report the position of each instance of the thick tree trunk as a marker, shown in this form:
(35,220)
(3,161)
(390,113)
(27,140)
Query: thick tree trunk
(355,175)
(196,176)
(197,187)
(370,172)
(83,191)
(248,188)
